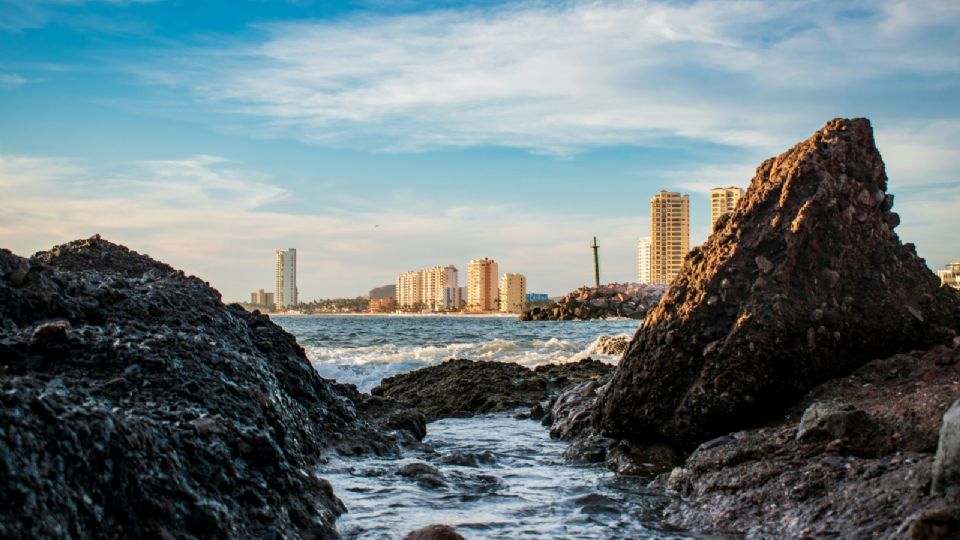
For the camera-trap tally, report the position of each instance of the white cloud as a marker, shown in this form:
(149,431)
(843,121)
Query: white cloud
(561,78)
(211,217)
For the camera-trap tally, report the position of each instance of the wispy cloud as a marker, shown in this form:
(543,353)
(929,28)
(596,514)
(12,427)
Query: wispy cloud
(216,219)
(11,79)
(562,78)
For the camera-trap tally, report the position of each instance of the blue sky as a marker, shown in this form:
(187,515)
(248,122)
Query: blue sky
(378,137)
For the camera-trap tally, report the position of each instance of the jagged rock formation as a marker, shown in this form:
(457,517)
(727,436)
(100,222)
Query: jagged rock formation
(461,388)
(869,479)
(631,300)
(135,404)
(805,281)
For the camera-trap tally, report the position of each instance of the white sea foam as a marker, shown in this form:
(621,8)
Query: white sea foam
(366,366)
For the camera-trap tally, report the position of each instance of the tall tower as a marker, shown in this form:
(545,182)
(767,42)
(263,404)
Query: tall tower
(722,201)
(286,278)
(513,293)
(643,260)
(669,235)
(482,284)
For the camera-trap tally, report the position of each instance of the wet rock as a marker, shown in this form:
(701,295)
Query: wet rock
(610,345)
(134,403)
(933,524)
(695,370)
(462,388)
(764,482)
(423,474)
(946,465)
(434,532)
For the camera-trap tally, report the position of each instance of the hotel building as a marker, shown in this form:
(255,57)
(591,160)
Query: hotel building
(643,260)
(669,235)
(513,293)
(262,299)
(482,285)
(950,275)
(285,294)
(723,201)
(434,288)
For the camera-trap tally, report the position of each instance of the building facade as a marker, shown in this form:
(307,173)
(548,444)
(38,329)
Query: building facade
(262,299)
(285,293)
(436,289)
(950,275)
(669,235)
(643,260)
(513,293)
(723,201)
(482,285)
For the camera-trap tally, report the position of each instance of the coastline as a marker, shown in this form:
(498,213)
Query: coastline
(385,315)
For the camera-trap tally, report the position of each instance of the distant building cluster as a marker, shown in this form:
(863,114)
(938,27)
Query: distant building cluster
(660,255)
(262,300)
(435,289)
(950,275)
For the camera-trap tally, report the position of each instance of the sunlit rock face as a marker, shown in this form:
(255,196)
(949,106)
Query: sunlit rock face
(804,281)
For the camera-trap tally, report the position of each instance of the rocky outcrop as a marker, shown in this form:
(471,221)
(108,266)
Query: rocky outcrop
(434,532)
(610,345)
(136,404)
(946,464)
(461,388)
(631,300)
(854,458)
(805,281)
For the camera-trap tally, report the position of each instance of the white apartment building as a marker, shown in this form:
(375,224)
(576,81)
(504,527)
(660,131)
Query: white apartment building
(513,293)
(482,285)
(643,260)
(436,289)
(285,294)
(950,275)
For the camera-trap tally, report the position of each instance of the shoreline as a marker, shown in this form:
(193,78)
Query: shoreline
(387,315)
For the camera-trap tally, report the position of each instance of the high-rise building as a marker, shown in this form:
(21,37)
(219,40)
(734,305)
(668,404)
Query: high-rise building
(950,275)
(434,288)
(262,299)
(285,294)
(723,201)
(482,285)
(643,260)
(513,293)
(669,235)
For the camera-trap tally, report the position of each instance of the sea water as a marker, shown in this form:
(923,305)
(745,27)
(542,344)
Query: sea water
(501,477)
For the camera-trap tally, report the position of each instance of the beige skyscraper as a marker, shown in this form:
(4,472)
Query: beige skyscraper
(285,294)
(482,285)
(408,289)
(722,201)
(513,293)
(643,260)
(669,235)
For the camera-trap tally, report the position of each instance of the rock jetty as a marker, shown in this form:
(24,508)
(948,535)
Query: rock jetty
(462,388)
(136,404)
(631,300)
(805,281)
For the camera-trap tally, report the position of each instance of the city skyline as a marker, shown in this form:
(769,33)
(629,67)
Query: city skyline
(206,137)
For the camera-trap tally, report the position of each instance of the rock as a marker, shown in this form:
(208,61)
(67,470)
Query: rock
(946,465)
(461,388)
(434,532)
(874,483)
(834,420)
(933,524)
(799,214)
(610,300)
(423,474)
(134,403)
(610,345)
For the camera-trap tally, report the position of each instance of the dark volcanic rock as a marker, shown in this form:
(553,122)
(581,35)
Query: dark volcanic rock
(767,482)
(135,404)
(434,532)
(631,300)
(805,281)
(460,388)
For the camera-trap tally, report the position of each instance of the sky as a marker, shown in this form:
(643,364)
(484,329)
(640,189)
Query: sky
(377,137)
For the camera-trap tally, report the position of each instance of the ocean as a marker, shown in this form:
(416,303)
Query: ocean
(516,484)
